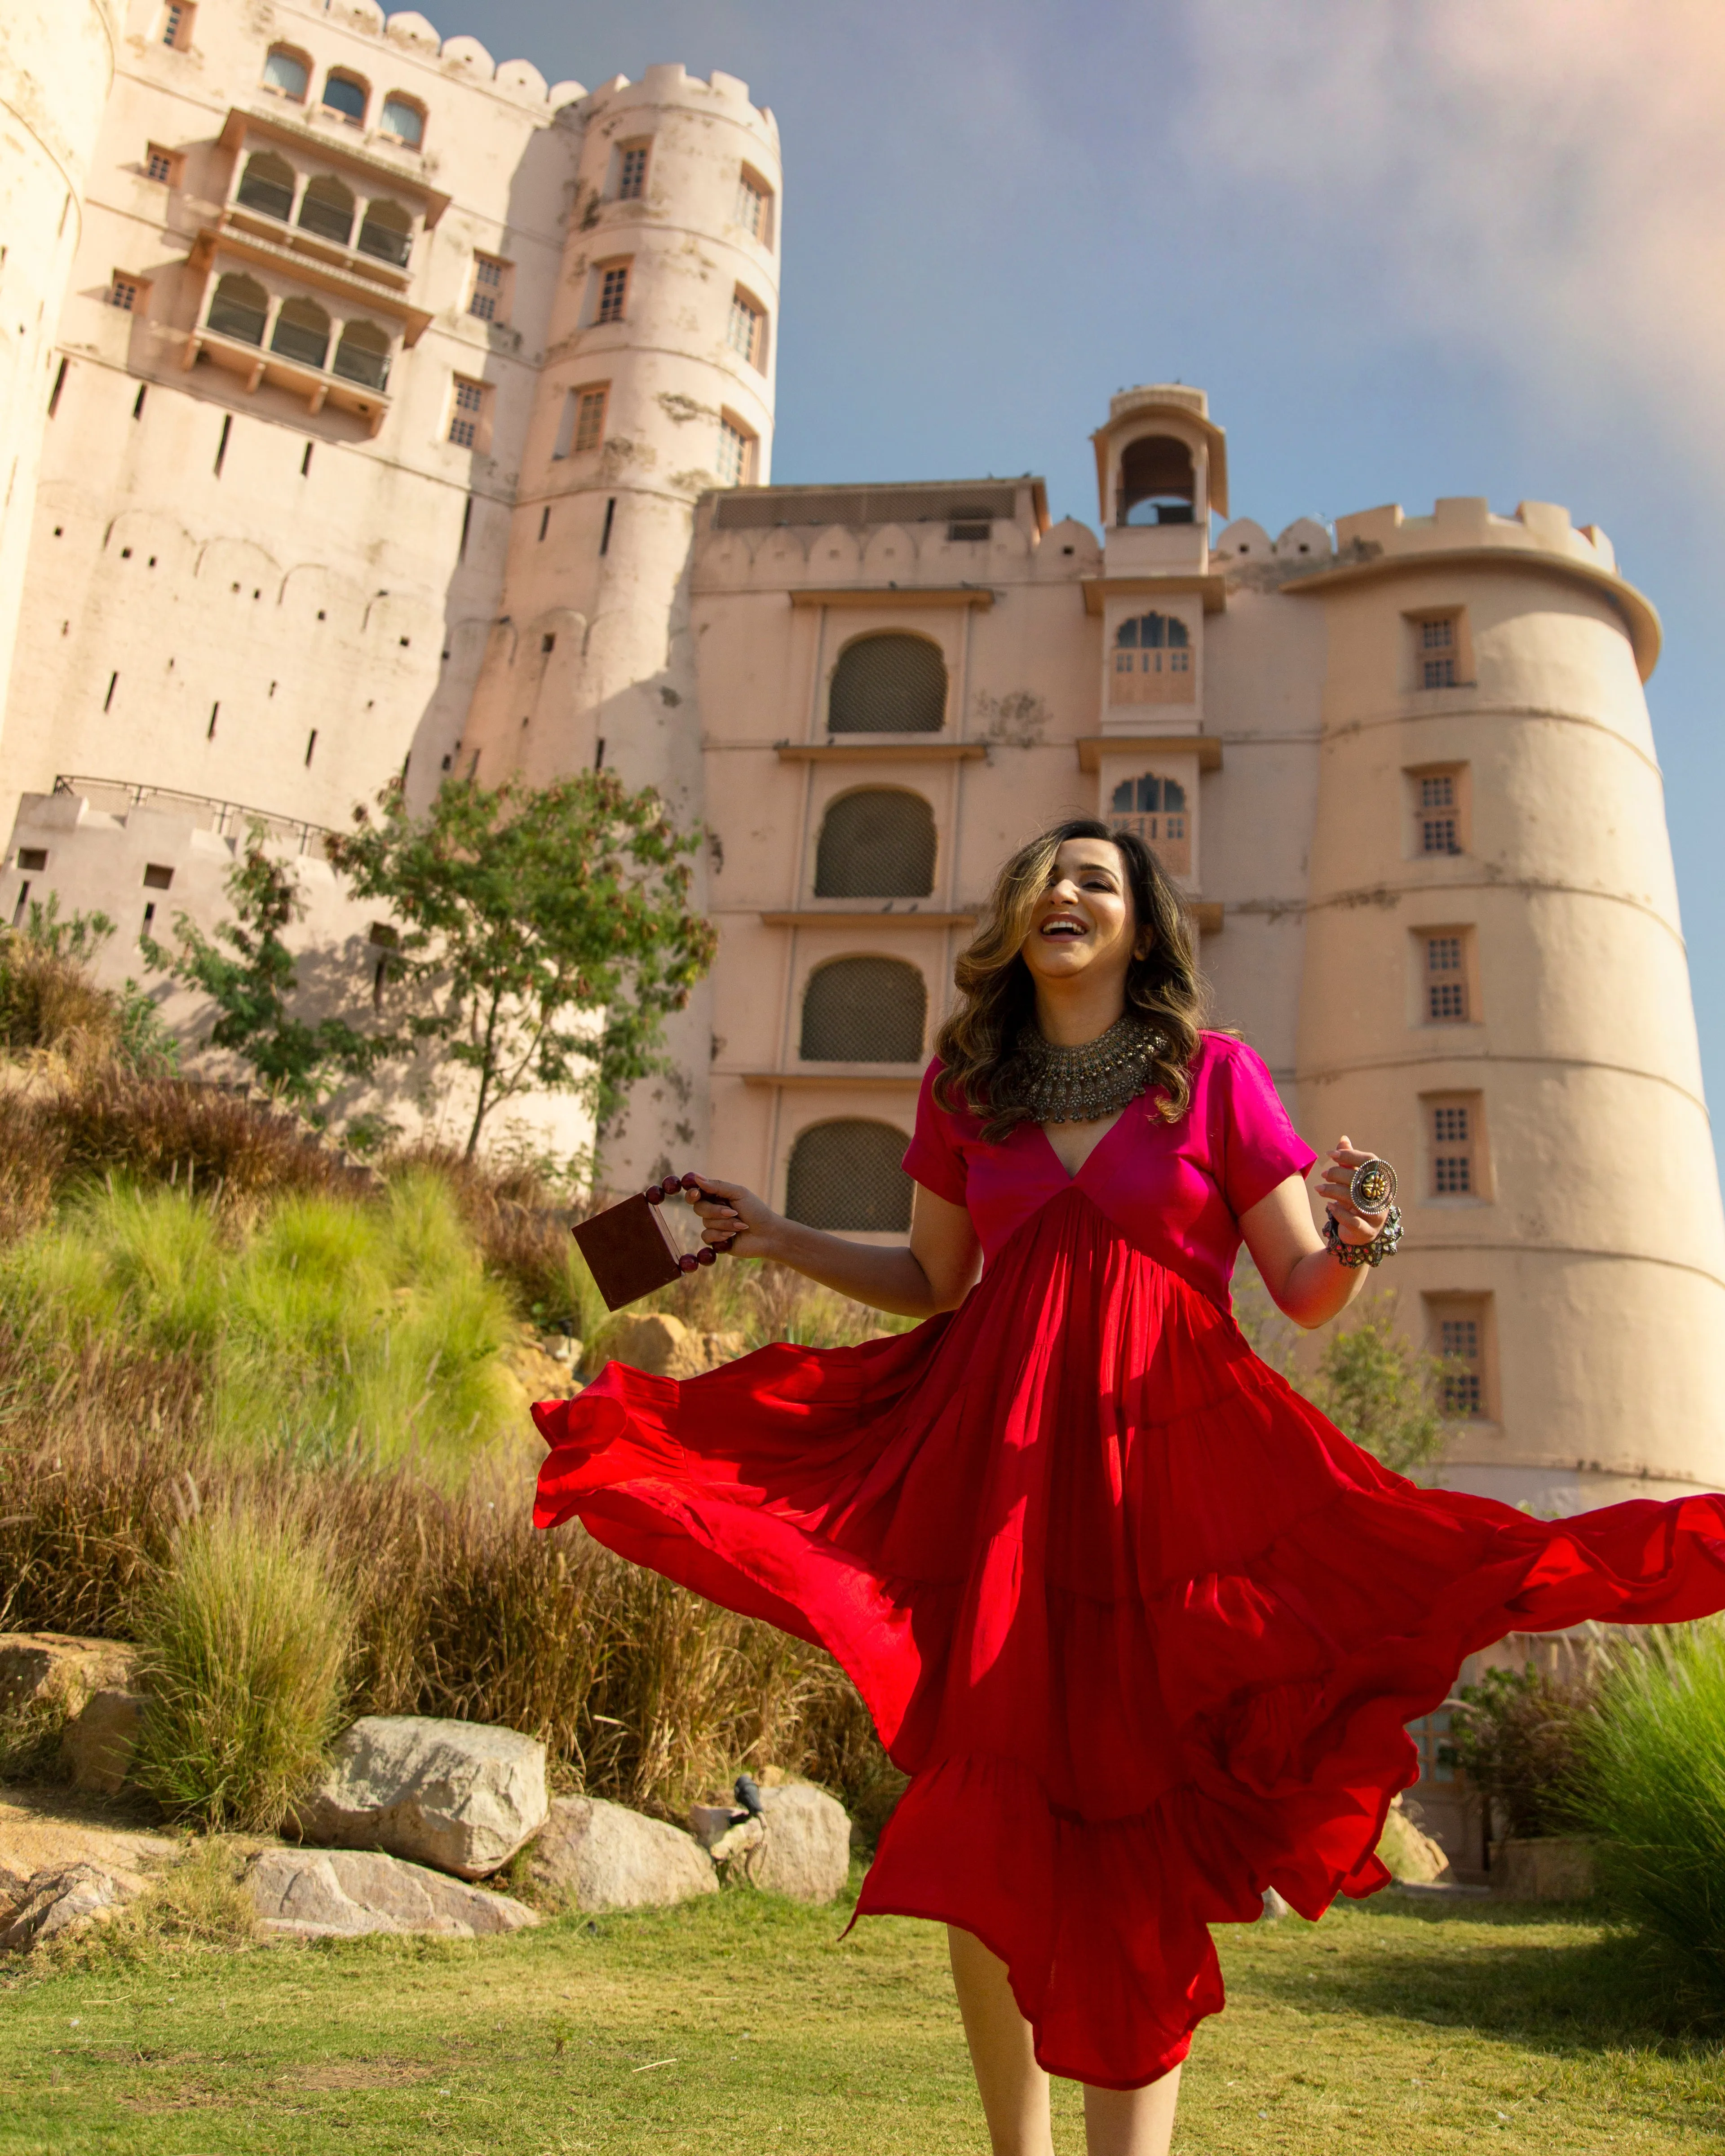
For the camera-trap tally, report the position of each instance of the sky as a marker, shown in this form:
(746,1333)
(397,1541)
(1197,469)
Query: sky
(1410,248)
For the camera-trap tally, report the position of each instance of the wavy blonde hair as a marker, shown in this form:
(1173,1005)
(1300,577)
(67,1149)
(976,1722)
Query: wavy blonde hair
(997,996)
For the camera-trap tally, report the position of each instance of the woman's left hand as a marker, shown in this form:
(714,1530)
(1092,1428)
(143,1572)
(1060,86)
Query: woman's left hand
(1353,1226)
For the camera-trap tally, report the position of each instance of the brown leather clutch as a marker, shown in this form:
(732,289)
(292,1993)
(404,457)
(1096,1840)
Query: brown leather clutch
(628,1248)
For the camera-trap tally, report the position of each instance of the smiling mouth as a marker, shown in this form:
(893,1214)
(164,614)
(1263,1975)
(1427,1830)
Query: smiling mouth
(1065,925)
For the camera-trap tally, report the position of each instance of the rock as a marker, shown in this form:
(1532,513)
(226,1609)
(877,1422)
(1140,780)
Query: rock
(723,1347)
(1557,1867)
(67,1899)
(56,1666)
(800,1845)
(542,1377)
(48,1830)
(304,1893)
(1408,1852)
(592,1855)
(461,1795)
(662,1346)
(99,1742)
(1275,1907)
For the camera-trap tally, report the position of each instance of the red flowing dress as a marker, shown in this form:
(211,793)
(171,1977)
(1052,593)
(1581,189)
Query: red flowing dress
(1143,1628)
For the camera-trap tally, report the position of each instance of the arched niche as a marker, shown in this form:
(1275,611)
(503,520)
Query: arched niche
(864,1010)
(1158,482)
(878,842)
(888,683)
(846,1176)
(1151,661)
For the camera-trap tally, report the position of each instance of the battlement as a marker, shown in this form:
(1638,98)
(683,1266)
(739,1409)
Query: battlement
(1468,521)
(670,83)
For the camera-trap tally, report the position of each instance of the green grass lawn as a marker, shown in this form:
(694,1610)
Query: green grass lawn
(741,2024)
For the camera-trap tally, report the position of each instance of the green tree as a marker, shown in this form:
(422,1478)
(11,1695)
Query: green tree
(551,926)
(1381,1390)
(248,972)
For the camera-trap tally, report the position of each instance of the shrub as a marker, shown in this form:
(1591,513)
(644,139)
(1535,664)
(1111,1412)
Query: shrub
(1656,1797)
(1380,1390)
(51,1006)
(1522,1737)
(245,1637)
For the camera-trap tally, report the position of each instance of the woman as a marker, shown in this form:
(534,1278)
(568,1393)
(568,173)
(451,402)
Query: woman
(1141,1626)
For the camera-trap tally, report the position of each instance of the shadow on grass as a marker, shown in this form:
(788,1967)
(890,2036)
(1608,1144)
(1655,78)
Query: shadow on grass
(1561,1981)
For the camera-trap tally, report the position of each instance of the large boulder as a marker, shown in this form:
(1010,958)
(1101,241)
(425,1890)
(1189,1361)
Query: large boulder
(594,1855)
(98,1744)
(58,1666)
(662,1346)
(68,1897)
(308,1893)
(799,1844)
(1407,1851)
(462,1796)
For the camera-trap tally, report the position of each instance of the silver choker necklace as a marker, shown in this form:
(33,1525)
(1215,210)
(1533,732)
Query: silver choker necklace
(1053,1085)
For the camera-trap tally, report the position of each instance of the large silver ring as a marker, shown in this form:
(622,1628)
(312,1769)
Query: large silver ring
(1372,1186)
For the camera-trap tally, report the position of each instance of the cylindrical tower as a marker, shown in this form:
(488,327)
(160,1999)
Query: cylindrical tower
(56,70)
(1496,995)
(657,386)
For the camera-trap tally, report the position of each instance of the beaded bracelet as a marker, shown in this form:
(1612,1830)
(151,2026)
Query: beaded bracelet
(656,1194)
(1382,1245)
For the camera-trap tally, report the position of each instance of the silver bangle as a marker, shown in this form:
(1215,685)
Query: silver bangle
(1382,1245)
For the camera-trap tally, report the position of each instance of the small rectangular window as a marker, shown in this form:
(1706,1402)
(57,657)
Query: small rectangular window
(177,20)
(613,292)
(160,164)
(736,453)
(754,205)
(487,301)
(1441,656)
(158,876)
(589,420)
(123,292)
(467,412)
(1440,800)
(1454,1146)
(632,172)
(1444,967)
(32,858)
(747,330)
(1461,1337)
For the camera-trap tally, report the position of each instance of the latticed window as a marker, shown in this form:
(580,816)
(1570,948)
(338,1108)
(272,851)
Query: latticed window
(613,290)
(735,454)
(878,843)
(239,308)
(1452,1149)
(846,1176)
(888,684)
(632,173)
(1154,809)
(589,418)
(160,164)
(1437,653)
(466,412)
(267,185)
(123,293)
(487,300)
(1440,823)
(1434,1737)
(864,1010)
(747,330)
(1460,1343)
(1152,662)
(176,25)
(1445,978)
(751,200)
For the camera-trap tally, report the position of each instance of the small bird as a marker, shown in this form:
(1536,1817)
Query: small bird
(746,1790)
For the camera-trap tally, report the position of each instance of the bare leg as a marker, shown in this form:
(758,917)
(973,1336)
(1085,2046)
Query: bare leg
(1014,2088)
(1130,2121)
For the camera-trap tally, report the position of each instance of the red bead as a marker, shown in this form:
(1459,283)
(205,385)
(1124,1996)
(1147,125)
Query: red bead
(687,1262)
(692,1182)
(706,1255)
(653,1195)
(670,1186)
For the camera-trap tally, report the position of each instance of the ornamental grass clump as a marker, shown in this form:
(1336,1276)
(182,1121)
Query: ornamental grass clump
(1656,1799)
(246,1637)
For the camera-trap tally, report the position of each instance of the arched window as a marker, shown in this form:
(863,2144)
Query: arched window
(1157,485)
(876,844)
(302,333)
(1155,810)
(386,231)
(404,119)
(1152,662)
(239,308)
(267,184)
(346,94)
(326,208)
(846,1176)
(888,684)
(362,355)
(286,72)
(864,1010)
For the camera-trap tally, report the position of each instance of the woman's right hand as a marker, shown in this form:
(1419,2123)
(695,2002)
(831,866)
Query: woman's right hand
(734,1220)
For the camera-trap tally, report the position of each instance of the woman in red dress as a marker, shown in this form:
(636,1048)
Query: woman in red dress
(1141,1626)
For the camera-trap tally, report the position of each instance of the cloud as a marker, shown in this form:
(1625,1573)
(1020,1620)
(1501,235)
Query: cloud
(1541,182)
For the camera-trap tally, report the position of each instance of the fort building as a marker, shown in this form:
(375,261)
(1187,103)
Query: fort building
(398,415)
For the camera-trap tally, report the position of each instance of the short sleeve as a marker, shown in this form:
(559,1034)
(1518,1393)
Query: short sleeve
(1258,1146)
(934,1159)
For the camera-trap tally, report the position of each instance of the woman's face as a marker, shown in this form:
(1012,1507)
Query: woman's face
(1084,923)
